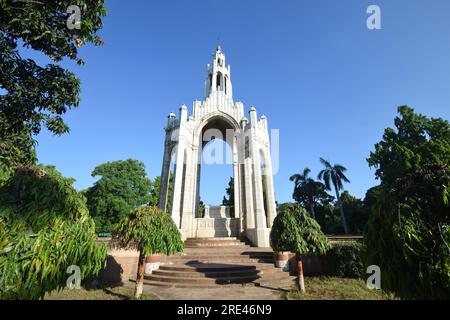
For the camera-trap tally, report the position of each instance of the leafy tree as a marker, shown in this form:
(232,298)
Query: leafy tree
(283,206)
(16,149)
(371,197)
(308,192)
(201,209)
(346,260)
(295,231)
(328,217)
(45,227)
(335,175)
(123,186)
(408,233)
(154,194)
(38,95)
(151,231)
(229,200)
(356,213)
(34,96)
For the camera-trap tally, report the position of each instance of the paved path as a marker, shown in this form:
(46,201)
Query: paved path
(248,292)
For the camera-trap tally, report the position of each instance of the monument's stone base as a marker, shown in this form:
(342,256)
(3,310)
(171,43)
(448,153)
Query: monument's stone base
(218,223)
(216,227)
(120,266)
(259,237)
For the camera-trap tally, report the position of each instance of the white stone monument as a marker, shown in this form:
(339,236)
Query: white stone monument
(254,204)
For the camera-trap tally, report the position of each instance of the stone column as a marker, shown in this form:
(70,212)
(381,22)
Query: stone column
(262,232)
(179,169)
(165,171)
(188,194)
(165,176)
(250,214)
(237,184)
(242,215)
(260,215)
(271,204)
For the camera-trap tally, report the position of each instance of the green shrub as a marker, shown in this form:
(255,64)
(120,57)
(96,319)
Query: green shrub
(294,230)
(408,233)
(346,260)
(151,231)
(45,227)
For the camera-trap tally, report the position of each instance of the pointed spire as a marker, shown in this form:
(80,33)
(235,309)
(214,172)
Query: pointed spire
(218,75)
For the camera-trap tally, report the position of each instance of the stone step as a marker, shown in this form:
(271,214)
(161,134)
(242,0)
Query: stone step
(215,267)
(215,262)
(223,251)
(212,239)
(218,260)
(198,281)
(193,286)
(209,274)
(215,244)
(218,255)
(269,280)
(263,273)
(220,252)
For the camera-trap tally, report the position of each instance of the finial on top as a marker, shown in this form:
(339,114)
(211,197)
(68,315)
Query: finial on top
(218,44)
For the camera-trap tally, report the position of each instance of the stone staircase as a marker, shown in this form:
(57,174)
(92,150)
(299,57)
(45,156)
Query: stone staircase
(213,262)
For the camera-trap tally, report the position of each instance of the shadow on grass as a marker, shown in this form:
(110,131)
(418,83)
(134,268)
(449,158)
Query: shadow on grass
(115,294)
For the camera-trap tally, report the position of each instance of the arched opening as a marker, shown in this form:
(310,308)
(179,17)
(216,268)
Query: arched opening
(219,81)
(216,174)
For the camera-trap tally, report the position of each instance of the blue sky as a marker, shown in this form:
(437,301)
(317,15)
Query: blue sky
(322,78)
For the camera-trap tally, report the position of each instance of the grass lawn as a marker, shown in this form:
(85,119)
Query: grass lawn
(113,293)
(324,288)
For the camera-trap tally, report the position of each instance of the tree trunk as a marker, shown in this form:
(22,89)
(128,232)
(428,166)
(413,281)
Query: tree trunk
(140,276)
(300,279)
(341,208)
(313,212)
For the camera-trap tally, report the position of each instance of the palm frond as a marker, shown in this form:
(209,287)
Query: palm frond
(321,174)
(326,179)
(338,184)
(342,176)
(326,163)
(340,167)
(306,172)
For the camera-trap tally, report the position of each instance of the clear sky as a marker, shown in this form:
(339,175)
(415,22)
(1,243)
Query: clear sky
(322,78)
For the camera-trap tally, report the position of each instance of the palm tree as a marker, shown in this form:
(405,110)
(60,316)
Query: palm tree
(335,174)
(305,189)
